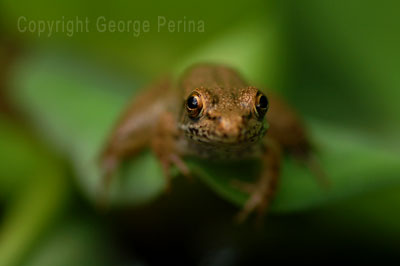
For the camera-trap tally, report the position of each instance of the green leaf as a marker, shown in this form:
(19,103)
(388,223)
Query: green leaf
(35,188)
(75,109)
(79,241)
(76,112)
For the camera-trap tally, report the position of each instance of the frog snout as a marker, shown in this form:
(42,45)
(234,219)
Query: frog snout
(230,127)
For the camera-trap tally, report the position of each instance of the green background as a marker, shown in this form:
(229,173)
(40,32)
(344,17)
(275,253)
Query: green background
(336,62)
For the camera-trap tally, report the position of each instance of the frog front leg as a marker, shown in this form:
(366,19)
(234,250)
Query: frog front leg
(166,146)
(287,129)
(159,133)
(134,131)
(263,190)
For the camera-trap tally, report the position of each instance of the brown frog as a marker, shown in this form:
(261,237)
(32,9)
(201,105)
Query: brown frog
(212,113)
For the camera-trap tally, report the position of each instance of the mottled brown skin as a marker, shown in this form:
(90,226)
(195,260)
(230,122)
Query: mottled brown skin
(228,126)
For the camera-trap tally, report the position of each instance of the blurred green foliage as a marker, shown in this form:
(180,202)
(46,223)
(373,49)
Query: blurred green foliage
(336,61)
(34,185)
(80,122)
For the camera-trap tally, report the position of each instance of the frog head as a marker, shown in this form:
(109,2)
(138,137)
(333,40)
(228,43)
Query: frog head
(225,113)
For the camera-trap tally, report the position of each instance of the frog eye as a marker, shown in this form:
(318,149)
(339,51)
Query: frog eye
(261,105)
(194,104)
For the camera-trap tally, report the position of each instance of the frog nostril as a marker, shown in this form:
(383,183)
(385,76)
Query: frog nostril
(215,118)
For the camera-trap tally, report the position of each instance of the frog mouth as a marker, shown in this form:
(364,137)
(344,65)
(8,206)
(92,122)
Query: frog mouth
(214,137)
(223,139)
(236,140)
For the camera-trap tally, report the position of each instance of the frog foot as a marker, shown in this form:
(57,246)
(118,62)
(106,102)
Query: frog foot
(167,162)
(259,198)
(108,166)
